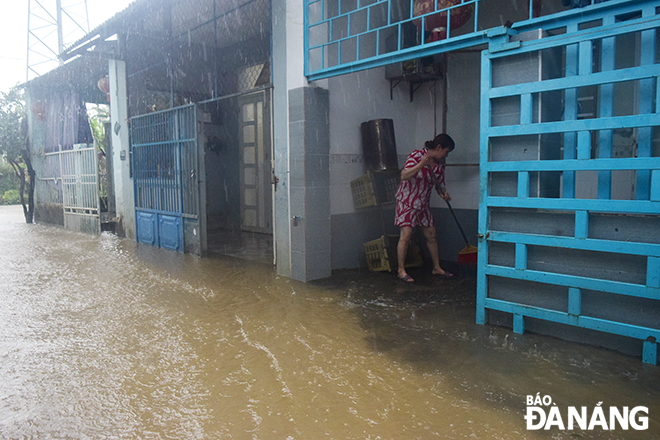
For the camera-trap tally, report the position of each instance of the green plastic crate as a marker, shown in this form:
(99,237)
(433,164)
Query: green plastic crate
(381,254)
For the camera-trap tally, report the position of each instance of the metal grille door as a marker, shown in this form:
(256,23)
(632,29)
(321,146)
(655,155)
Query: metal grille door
(80,189)
(165,175)
(569,215)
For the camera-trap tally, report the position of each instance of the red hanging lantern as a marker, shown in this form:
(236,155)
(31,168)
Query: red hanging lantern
(104,85)
(437,23)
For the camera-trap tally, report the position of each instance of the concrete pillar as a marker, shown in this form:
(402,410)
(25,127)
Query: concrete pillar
(121,160)
(301,143)
(281,225)
(309,149)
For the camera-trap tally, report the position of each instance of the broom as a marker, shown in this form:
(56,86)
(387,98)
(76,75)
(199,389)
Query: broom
(467,255)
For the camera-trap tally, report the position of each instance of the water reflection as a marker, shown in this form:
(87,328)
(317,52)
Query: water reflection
(100,337)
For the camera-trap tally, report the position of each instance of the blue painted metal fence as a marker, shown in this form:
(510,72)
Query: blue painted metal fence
(569,214)
(345,36)
(342,35)
(164,154)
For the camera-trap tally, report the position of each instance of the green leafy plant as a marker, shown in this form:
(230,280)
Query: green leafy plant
(15,148)
(11,197)
(8,179)
(98,115)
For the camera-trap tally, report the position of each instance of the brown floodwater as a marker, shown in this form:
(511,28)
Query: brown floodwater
(103,338)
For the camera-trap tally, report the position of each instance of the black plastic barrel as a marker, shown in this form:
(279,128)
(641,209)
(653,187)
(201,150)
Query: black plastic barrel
(379,145)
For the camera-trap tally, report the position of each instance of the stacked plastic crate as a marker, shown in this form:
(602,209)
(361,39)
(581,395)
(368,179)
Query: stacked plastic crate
(377,189)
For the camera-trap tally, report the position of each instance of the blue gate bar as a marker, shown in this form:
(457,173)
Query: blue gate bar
(634,121)
(601,78)
(602,325)
(592,205)
(587,244)
(617,287)
(632,163)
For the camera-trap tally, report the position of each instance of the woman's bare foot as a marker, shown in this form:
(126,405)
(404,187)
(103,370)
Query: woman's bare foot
(441,272)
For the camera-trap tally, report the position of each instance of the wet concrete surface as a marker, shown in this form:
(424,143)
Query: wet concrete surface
(103,338)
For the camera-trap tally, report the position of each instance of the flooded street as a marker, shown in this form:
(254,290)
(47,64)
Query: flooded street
(104,338)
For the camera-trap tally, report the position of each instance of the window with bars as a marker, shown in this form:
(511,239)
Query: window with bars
(342,36)
(343,32)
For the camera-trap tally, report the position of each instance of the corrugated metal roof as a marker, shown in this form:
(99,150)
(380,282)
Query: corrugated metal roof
(80,73)
(151,17)
(111,25)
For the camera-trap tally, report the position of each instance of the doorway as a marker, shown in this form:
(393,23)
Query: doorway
(255,164)
(237,138)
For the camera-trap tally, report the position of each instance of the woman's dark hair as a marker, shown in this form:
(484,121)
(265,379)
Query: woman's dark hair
(442,140)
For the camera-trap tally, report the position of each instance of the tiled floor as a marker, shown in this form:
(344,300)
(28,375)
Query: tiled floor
(240,244)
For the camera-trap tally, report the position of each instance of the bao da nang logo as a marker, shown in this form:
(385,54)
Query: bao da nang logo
(543,413)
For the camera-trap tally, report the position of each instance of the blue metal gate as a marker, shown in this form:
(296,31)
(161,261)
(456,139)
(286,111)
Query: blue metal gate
(569,215)
(165,175)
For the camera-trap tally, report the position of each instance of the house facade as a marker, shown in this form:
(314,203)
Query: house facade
(556,175)
(246,117)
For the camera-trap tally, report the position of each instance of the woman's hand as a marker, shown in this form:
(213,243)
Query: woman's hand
(442,192)
(428,161)
(409,173)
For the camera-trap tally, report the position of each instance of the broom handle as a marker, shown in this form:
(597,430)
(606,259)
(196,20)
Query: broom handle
(457,223)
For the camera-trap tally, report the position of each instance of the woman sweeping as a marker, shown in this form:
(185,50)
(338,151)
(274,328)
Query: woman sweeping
(423,171)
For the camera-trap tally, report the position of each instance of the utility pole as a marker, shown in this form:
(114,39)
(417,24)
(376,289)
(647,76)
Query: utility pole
(53,25)
(60,35)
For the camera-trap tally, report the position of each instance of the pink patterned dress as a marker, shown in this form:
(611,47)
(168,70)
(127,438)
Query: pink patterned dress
(413,196)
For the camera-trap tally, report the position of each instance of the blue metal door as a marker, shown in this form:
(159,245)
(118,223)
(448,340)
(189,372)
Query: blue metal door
(569,215)
(165,176)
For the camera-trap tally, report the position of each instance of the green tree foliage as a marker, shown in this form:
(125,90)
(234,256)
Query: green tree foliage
(98,115)
(11,197)
(8,179)
(14,146)
(12,112)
